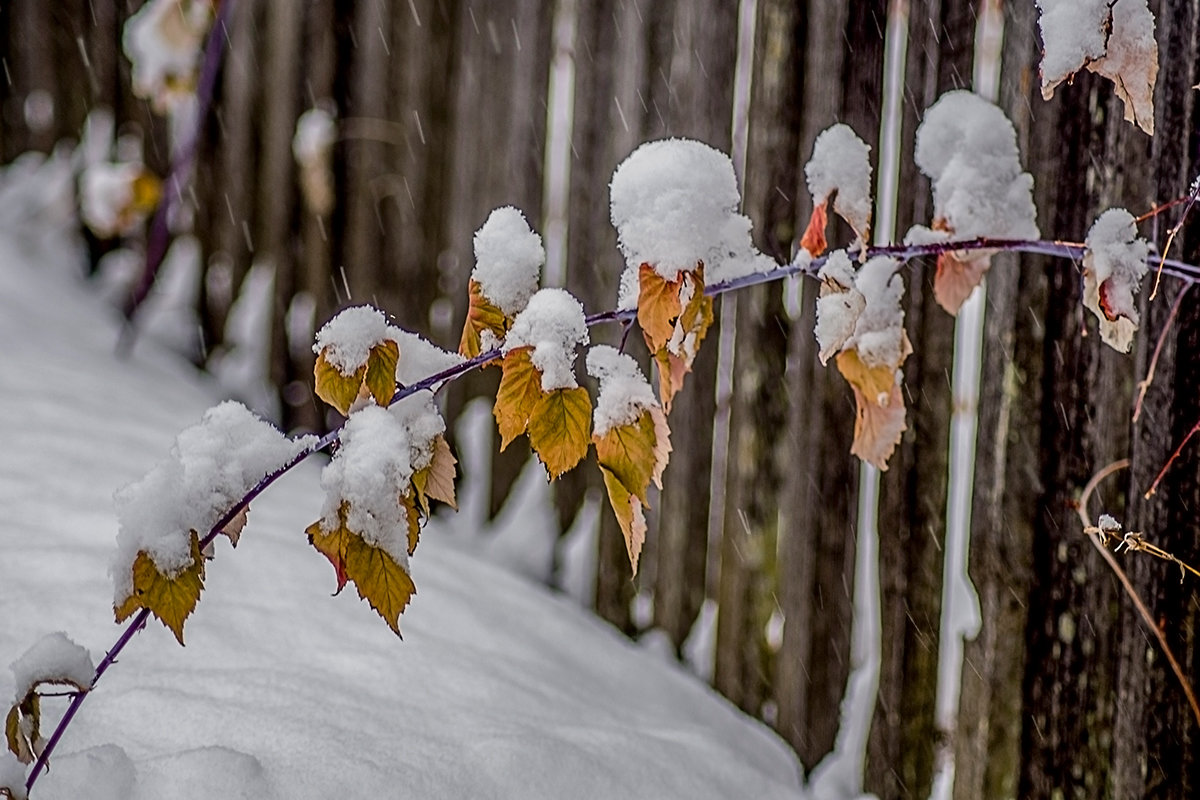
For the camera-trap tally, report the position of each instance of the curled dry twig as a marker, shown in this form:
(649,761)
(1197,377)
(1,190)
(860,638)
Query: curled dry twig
(1095,537)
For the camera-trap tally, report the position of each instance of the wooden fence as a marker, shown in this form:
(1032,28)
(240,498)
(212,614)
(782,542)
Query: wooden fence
(442,107)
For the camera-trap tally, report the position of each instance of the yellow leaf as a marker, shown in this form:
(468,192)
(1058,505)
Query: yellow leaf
(482,316)
(170,598)
(879,420)
(628,509)
(339,390)
(658,307)
(22,728)
(520,391)
(436,481)
(559,428)
(814,235)
(629,453)
(147,191)
(380,580)
(380,379)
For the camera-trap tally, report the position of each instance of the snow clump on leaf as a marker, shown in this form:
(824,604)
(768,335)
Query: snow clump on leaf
(211,466)
(163,41)
(624,390)
(365,478)
(968,149)
(115,198)
(674,204)
(839,305)
(1114,264)
(552,324)
(508,259)
(840,168)
(53,659)
(346,340)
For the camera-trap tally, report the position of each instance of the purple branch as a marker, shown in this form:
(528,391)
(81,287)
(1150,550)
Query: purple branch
(1185,272)
(181,165)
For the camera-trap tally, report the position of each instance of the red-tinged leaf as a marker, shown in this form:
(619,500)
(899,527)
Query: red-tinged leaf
(630,516)
(560,427)
(658,308)
(520,391)
(482,316)
(958,273)
(171,598)
(814,235)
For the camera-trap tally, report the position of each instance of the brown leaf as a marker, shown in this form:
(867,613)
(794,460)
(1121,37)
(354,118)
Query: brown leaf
(413,519)
(380,379)
(482,316)
(436,480)
(336,389)
(814,235)
(520,390)
(22,728)
(379,579)
(559,429)
(170,598)
(332,545)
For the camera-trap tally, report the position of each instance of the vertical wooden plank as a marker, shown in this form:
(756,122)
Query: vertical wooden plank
(691,95)
(1155,734)
(913,492)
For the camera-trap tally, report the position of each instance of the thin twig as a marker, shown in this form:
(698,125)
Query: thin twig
(1144,612)
(1144,385)
(1193,192)
(1161,473)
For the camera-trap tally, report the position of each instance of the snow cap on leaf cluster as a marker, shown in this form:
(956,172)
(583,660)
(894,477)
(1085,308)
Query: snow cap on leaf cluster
(674,204)
(1114,265)
(420,359)
(968,148)
(879,330)
(162,41)
(371,470)
(347,339)
(508,259)
(841,163)
(53,659)
(553,324)
(624,391)
(211,466)
(115,198)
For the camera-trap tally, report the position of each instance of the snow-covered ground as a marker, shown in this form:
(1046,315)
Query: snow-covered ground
(499,688)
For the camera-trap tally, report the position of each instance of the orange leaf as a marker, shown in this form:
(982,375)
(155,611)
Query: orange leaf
(814,235)
(559,429)
(413,519)
(658,307)
(628,510)
(520,390)
(482,316)
(170,598)
(332,545)
(879,420)
(675,359)
(958,274)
